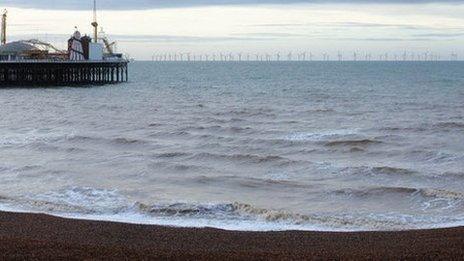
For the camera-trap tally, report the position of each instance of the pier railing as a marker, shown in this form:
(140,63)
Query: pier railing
(60,73)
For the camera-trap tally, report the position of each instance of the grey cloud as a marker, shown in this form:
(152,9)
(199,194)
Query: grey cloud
(150,4)
(440,35)
(381,39)
(271,35)
(360,25)
(155,38)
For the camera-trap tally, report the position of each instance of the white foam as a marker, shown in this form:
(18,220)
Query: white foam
(323,135)
(32,136)
(109,205)
(143,219)
(231,225)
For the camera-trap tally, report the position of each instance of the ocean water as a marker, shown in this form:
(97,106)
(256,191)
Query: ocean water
(244,146)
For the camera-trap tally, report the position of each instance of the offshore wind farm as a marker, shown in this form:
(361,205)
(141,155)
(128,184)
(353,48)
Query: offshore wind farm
(303,57)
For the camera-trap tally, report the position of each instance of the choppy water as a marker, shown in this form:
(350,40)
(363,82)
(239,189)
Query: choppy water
(252,146)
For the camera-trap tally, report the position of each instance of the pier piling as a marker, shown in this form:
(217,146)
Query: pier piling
(62,73)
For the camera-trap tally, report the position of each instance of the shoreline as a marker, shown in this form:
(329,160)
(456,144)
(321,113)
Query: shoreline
(40,236)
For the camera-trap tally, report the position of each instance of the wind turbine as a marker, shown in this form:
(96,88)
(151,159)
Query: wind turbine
(268,57)
(340,56)
(368,57)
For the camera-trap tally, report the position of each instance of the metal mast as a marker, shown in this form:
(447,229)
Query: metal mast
(95,23)
(3,32)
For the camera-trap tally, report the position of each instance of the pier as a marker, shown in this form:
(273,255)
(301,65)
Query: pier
(62,73)
(86,61)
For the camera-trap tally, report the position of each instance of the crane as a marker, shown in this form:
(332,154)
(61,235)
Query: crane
(3,31)
(108,45)
(95,23)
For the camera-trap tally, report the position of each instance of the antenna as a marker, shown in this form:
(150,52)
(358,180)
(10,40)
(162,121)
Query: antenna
(3,33)
(95,23)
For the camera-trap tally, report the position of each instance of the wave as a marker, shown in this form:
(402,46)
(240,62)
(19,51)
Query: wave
(450,125)
(402,191)
(111,205)
(431,156)
(175,154)
(219,128)
(323,135)
(388,171)
(450,174)
(104,140)
(352,143)
(446,126)
(127,141)
(183,167)
(403,129)
(258,183)
(33,137)
(393,171)
(244,158)
(260,112)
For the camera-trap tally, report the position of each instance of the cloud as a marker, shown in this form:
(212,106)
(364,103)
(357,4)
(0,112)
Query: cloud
(158,38)
(440,35)
(152,4)
(362,25)
(378,39)
(270,35)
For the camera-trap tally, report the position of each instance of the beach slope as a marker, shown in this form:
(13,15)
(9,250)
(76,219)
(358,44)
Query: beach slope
(42,237)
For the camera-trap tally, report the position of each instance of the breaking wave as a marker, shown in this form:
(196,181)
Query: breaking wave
(101,204)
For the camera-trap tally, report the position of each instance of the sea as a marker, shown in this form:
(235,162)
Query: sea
(253,146)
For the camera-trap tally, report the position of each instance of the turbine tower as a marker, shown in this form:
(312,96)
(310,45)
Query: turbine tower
(3,33)
(95,23)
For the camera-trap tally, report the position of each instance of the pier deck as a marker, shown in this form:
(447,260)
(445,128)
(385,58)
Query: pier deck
(61,73)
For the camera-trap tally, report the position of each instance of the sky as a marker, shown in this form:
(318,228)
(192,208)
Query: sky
(144,28)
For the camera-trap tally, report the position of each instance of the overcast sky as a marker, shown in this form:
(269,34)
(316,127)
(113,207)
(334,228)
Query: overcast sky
(145,27)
